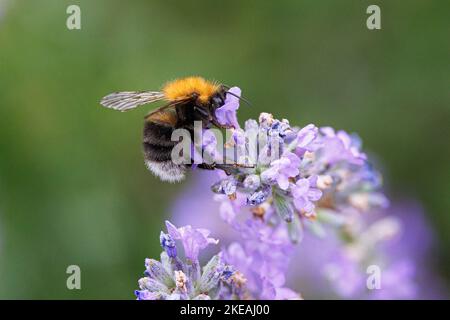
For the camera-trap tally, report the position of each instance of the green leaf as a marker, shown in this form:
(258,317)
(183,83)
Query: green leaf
(295,230)
(283,207)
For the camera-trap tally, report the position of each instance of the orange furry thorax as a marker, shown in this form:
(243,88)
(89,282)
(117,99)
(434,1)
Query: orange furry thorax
(184,88)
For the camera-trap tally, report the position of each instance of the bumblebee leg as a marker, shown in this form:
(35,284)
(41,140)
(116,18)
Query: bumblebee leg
(203,113)
(207,166)
(214,166)
(224,167)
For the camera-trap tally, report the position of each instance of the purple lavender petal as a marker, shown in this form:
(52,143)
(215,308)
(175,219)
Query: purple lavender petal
(193,240)
(226,114)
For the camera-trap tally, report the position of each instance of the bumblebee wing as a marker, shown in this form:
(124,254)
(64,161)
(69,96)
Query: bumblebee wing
(126,100)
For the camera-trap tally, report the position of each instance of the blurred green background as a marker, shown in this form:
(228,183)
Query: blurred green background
(73,185)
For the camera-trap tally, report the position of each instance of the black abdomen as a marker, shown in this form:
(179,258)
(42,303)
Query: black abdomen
(157,141)
(157,145)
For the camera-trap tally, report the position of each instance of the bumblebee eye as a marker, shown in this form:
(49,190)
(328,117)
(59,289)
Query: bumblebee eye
(217,101)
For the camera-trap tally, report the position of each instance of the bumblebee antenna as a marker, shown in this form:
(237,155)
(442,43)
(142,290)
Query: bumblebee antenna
(234,95)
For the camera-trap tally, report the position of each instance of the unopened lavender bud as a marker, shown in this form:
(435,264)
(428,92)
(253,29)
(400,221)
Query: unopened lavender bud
(148,295)
(239,137)
(211,274)
(324,181)
(226,186)
(238,279)
(168,244)
(257,197)
(309,156)
(275,127)
(229,188)
(252,182)
(265,119)
(285,128)
(360,201)
(251,124)
(181,281)
(227,272)
(155,270)
(151,285)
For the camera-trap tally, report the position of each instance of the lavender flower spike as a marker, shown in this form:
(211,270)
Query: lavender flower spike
(175,279)
(297,183)
(316,171)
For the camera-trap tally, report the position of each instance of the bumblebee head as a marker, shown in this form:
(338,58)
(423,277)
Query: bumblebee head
(217,101)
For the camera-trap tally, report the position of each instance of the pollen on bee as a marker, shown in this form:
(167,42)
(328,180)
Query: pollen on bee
(184,88)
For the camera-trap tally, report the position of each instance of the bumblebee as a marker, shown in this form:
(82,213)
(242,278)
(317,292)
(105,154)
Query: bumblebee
(187,100)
